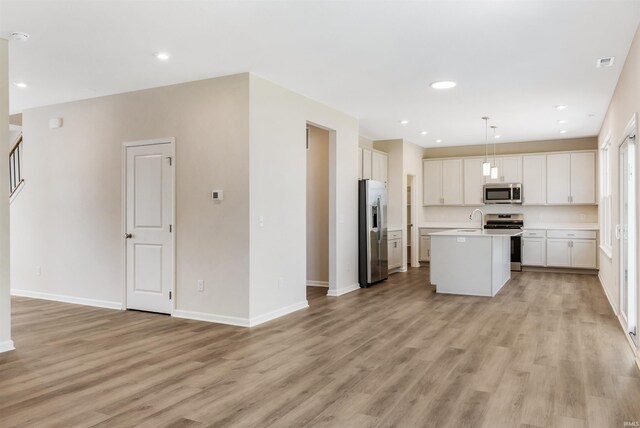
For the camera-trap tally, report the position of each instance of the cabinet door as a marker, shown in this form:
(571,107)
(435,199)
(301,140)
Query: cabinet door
(395,253)
(583,253)
(473,181)
(432,182)
(359,163)
(366,164)
(379,167)
(510,170)
(534,177)
(452,182)
(583,178)
(425,248)
(533,252)
(558,178)
(558,252)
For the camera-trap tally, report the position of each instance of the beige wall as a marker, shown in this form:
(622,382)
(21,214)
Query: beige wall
(365,142)
(279,118)
(318,206)
(68,217)
(587,143)
(625,103)
(5,298)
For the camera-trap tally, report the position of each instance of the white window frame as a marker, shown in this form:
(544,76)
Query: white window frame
(606,223)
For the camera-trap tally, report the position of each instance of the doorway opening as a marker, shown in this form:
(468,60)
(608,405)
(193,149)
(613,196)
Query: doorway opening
(148,225)
(412,251)
(318,155)
(626,231)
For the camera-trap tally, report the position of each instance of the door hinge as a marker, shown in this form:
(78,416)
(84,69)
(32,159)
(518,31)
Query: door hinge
(170,160)
(170,228)
(169,295)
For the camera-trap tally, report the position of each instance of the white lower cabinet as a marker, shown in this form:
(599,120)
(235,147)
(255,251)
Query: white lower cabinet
(394,244)
(425,248)
(534,252)
(572,248)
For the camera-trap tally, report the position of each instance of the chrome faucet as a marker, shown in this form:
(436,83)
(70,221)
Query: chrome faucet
(481,215)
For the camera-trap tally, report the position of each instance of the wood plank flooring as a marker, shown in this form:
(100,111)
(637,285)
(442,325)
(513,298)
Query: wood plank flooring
(546,352)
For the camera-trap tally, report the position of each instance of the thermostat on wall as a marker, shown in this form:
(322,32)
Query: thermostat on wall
(217,195)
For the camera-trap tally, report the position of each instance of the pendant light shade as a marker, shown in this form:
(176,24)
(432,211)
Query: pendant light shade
(494,173)
(486,166)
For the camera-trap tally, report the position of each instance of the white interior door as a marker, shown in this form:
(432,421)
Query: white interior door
(148,226)
(626,233)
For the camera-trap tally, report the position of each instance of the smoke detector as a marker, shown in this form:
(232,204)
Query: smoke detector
(19,37)
(605,62)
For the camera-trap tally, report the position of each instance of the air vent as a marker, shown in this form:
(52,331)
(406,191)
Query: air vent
(605,62)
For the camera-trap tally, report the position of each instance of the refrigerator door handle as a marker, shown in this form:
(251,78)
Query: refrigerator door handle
(380,219)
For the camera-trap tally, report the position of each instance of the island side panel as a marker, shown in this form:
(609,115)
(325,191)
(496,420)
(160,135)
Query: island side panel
(461,264)
(501,269)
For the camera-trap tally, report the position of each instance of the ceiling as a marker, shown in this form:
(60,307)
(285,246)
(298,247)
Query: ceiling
(513,60)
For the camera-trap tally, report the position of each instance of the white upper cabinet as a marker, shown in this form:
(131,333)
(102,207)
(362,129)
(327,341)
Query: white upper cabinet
(583,178)
(452,182)
(379,167)
(534,177)
(366,164)
(473,181)
(509,169)
(432,182)
(571,178)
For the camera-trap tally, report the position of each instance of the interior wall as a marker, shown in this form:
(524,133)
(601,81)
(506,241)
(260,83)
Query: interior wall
(412,165)
(365,142)
(318,206)
(5,298)
(277,193)
(625,103)
(67,219)
(587,143)
(395,182)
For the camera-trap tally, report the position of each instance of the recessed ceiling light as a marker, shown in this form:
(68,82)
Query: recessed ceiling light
(443,84)
(562,121)
(561,107)
(438,141)
(423,133)
(564,131)
(20,84)
(19,37)
(404,122)
(498,136)
(163,56)
(605,62)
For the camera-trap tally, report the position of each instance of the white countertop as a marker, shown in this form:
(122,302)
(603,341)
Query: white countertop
(461,225)
(479,232)
(527,226)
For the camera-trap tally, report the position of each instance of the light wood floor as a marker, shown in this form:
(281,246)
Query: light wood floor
(547,351)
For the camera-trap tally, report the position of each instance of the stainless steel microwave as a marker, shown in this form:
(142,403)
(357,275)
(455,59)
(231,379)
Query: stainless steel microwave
(503,193)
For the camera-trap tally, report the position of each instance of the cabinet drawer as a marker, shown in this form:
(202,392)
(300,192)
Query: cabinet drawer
(394,234)
(534,233)
(572,234)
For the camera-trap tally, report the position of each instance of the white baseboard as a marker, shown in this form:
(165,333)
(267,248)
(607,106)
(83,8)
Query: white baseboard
(239,321)
(606,293)
(344,290)
(6,346)
(311,283)
(219,319)
(67,299)
(260,319)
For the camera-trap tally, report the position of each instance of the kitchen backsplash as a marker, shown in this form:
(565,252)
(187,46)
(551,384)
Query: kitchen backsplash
(532,214)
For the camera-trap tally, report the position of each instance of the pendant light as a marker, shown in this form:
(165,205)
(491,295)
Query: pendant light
(486,166)
(494,169)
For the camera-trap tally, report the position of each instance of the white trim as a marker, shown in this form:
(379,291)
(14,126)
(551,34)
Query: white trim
(607,251)
(261,319)
(239,321)
(609,298)
(67,299)
(219,319)
(343,291)
(311,283)
(7,346)
(172,142)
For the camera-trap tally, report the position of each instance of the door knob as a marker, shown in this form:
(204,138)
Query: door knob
(127,236)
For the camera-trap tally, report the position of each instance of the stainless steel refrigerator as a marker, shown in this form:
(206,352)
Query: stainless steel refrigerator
(372,227)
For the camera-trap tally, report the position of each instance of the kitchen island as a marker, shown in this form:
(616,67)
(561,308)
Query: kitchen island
(472,262)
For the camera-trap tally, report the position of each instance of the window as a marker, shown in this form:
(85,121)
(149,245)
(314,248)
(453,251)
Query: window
(605,197)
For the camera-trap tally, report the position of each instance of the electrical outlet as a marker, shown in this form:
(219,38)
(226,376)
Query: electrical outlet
(200,285)
(38,271)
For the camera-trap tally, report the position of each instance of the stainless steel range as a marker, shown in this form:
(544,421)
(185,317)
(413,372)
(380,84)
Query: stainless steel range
(508,221)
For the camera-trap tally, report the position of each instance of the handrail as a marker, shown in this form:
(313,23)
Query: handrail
(15,166)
